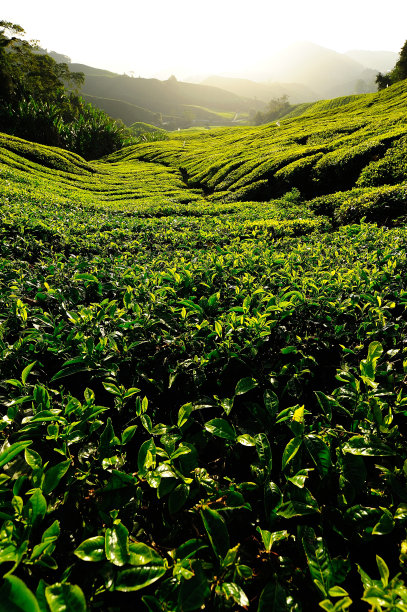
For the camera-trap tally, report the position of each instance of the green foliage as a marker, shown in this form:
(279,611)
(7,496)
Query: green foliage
(276,108)
(398,73)
(35,104)
(203,401)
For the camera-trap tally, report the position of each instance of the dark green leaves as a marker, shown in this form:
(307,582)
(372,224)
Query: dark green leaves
(291,450)
(318,560)
(137,578)
(53,476)
(360,445)
(273,598)
(92,549)
(9,453)
(65,597)
(221,428)
(245,385)
(193,591)
(319,453)
(217,531)
(15,596)
(117,544)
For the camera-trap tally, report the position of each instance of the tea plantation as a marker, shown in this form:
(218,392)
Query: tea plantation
(203,368)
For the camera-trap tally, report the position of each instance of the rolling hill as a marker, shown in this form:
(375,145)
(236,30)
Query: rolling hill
(173,102)
(324,71)
(296,92)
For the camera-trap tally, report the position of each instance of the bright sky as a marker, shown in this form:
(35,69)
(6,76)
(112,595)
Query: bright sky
(190,37)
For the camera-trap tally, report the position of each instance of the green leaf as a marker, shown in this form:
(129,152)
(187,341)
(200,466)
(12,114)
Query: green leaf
(40,595)
(273,598)
(189,549)
(291,450)
(111,388)
(231,590)
(318,560)
(401,512)
(15,596)
(128,433)
(269,538)
(194,591)
(68,371)
(54,475)
(13,450)
(368,365)
(287,350)
(178,497)
(137,578)
(184,413)
(53,531)
(329,404)
(245,385)
(366,580)
(385,524)
(26,372)
(38,506)
(131,391)
(33,459)
(117,544)
(359,445)
(217,531)
(300,477)
(92,549)
(337,591)
(221,428)
(271,403)
(246,440)
(91,278)
(383,570)
(301,503)
(65,597)
(374,351)
(146,456)
(141,554)
(263,449)
(319,453)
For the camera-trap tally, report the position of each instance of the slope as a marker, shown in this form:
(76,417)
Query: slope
(171,98)
(334,145)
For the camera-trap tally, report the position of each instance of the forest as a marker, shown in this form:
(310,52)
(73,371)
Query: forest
(203,356)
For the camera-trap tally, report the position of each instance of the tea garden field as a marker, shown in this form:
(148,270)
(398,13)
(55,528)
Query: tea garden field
(203,368)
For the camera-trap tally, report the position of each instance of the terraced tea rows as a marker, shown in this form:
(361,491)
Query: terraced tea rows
(203,397)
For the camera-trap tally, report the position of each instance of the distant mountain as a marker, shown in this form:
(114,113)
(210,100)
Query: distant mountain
(170,103)
(322,70)
(382,61)
(296,92)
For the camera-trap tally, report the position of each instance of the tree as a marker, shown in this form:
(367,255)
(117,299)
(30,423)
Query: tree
(23,72)
(398,73)
(276,108)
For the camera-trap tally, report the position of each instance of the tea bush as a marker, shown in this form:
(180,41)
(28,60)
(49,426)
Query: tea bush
(203,400)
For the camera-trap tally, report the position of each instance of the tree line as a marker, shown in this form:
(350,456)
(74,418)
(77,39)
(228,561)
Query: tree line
(40,101)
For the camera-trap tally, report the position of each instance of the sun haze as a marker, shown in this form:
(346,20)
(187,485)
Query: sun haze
(215,36)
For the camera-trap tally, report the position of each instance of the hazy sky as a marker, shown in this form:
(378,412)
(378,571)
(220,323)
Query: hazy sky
(189,37)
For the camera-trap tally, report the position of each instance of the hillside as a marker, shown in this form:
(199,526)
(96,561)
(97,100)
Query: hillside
(382,61)
(203,367)
(324,71)
(334,145)
(263,91)
(173,99)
